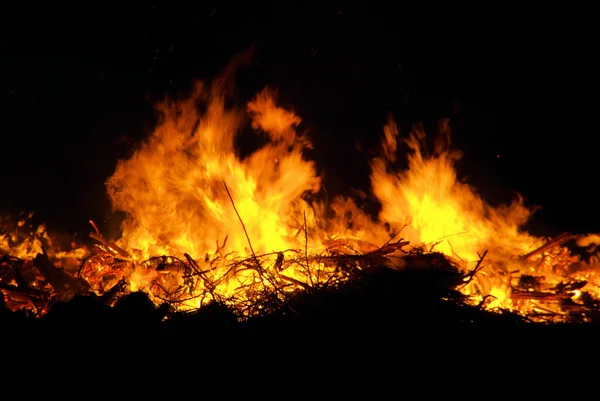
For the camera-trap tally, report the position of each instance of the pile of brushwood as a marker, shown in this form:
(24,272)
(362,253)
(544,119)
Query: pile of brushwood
(414,309)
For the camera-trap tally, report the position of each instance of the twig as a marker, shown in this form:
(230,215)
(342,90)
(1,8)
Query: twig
(297,282)
(394,235)
(454,253)
(473,272)
(452,235)
(207,282)
(306,250)
(243,225)
(433,245)
(221,247)
(95,227)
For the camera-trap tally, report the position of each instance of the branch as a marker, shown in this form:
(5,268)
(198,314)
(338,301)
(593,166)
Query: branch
(110,245)
(243,226)
(559,240)
(473,272)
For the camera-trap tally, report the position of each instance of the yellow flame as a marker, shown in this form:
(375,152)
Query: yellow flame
(190,196)
(174,188)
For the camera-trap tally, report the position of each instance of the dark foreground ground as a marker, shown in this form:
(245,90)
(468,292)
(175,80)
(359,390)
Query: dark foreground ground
(410,311)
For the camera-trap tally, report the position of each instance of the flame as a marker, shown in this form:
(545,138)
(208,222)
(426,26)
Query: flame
(232,226)
(188,194)
(453,218)
(444,212)
(174,188)
(20,239)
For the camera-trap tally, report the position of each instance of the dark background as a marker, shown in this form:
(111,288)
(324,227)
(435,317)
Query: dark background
(78,85)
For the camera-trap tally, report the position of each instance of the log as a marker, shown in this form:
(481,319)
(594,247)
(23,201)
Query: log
(58,279)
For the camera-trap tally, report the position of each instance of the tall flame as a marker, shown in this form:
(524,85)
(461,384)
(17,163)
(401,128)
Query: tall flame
(187,191)
(189,194)
(442,211)
(175,187)
(435,208)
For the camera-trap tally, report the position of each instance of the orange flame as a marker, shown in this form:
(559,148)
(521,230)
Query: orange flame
(445,212)
(189,195)
(186,191)
(173,187)
(452,217)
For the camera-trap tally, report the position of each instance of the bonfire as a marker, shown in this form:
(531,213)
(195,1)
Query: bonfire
(205,225)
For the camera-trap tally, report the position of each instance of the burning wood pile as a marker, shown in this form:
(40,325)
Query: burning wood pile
(268,284)
(205,226)
(264,286)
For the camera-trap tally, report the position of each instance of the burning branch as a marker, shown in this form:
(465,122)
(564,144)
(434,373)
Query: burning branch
(258,264)
(242,223)
(469,276)
(207,282)
(306,250)
(557,241)
(98,237)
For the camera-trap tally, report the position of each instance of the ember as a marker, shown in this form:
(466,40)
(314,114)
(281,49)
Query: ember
(206,226)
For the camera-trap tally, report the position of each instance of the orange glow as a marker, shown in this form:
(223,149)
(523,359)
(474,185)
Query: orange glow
(203,223)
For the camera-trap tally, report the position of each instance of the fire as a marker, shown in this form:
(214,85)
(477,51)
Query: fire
(446,212)
(186,190)
(452,217)
(175,187)
(204,222)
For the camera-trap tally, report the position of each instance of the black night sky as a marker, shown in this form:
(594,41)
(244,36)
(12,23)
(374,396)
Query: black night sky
(78,85)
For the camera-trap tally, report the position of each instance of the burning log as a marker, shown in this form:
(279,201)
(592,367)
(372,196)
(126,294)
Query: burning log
(64,285)
(24,296)
(547,296)
(58,279)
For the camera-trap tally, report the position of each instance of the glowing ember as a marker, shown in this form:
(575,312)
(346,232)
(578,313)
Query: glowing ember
(203,223)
